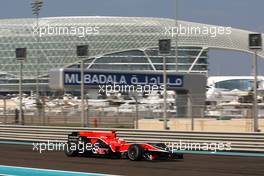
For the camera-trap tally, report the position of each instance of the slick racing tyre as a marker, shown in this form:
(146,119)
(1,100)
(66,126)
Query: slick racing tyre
(135,152)
(179,156)
(68,150)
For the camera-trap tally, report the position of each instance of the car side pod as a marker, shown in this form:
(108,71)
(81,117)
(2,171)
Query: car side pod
(135,152)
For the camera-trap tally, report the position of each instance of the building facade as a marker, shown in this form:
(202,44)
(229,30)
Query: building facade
(115,43)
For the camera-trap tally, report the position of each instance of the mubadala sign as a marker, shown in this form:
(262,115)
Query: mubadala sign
(66,78)
(192,84)
(107,78)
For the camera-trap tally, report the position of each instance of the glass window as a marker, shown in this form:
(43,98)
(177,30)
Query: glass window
(124,57)
(240,84)
(121,67)
(186,56)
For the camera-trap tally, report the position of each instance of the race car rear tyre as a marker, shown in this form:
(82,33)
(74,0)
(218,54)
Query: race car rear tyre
(69,152)
(135,152)
(179,156)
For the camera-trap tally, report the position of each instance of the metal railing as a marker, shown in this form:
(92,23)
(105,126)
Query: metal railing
(242,142)
(117,114)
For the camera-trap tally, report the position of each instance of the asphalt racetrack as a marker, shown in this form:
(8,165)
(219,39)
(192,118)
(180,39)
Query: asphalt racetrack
(193,164)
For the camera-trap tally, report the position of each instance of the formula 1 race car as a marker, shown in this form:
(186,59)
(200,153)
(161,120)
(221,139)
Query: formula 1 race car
(107,144)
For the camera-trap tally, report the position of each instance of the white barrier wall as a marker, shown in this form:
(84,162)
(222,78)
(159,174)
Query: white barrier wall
(206,125)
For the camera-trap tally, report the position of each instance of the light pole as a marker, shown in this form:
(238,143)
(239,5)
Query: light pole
(164,49)
(4,99)
(191,111)
(176,35)
(82,53)
(255,101)
(21,54)
(36,6)
(135,96)
(255,44)
(165,93)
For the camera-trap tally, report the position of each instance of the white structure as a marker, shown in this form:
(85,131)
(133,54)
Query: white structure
(117,43)
(242,83)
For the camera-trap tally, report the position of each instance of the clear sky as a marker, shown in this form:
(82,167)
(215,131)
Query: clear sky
(244,14)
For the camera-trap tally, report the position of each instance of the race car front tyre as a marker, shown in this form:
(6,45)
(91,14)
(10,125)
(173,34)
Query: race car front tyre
(135,152)
(70,151)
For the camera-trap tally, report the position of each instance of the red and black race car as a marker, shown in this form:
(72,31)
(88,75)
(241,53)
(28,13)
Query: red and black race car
(107,144)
